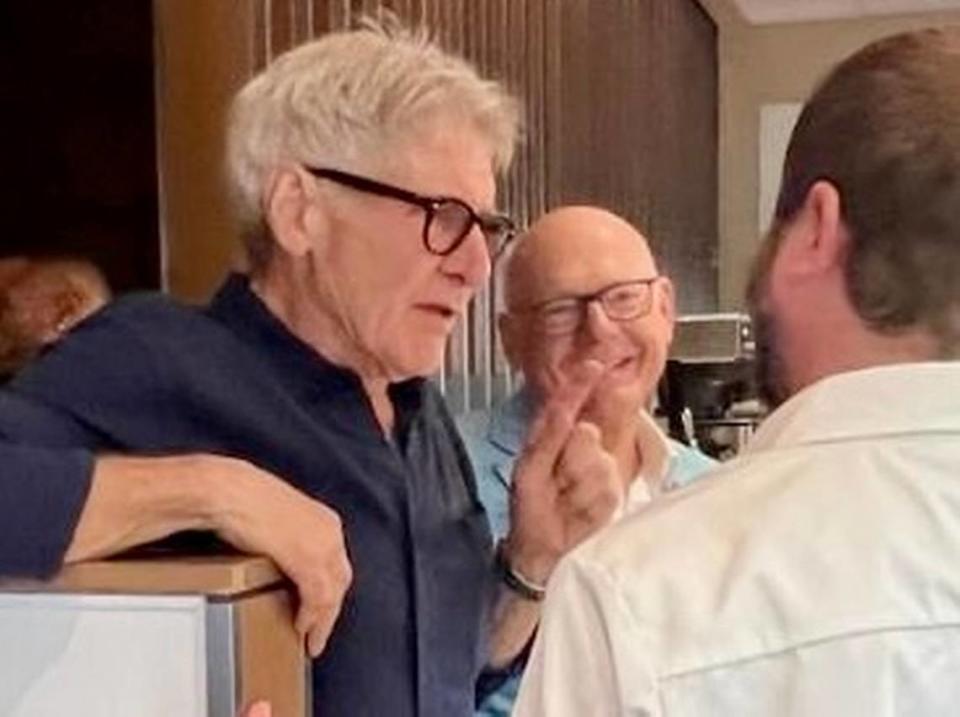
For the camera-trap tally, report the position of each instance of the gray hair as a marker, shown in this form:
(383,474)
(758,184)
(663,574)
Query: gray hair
(342,101)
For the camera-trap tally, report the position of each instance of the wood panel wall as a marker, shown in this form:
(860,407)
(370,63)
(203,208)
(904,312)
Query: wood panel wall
(631,93)
(204,51)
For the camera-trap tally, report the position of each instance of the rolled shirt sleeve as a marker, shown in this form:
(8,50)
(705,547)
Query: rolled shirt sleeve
(42,492)
(46,466)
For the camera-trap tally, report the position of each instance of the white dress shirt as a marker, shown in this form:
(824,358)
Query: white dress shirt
(817,574)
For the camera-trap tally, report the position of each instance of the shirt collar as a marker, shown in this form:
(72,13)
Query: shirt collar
(883,400)
(295,363)
(655,450)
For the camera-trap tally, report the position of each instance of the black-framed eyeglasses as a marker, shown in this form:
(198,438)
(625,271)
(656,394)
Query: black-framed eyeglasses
(447,221)
(621,301)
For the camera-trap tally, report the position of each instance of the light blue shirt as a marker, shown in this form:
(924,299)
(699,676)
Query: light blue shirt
(494,440)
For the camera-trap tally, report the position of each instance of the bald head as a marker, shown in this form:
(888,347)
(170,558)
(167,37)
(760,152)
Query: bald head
(575,253)
(574,250)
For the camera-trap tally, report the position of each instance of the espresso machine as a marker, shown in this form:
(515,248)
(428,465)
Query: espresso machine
(708,395)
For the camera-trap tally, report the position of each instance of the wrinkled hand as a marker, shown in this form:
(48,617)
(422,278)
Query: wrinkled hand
(565,484)
(304,537)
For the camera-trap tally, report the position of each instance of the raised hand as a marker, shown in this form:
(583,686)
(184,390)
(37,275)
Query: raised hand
(565,484)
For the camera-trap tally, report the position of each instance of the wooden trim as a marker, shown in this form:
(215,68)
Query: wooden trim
(214,575)
(204,52)
(270,656)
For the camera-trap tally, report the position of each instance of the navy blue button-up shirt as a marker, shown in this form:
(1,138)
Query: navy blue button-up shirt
(148,375)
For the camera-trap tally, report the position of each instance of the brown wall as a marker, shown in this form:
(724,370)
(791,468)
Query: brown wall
(767,64)
(621,99)
(630,123)
(204,52)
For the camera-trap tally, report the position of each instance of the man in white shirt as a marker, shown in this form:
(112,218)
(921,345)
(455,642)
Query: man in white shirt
(817,574)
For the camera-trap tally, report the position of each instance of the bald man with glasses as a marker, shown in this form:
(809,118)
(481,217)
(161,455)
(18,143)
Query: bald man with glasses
(581,285)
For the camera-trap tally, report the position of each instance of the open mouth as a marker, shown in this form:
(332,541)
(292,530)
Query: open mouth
(443,312)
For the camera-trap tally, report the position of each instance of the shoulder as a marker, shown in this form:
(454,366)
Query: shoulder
(490,438)
(106,338)
(677,526)
(135,330)
(664,562)
(671,557)
(688,464)
(154,319)
(485,455)
(141,345)
(492,466)
(501,428)
(146,321)
(756,545)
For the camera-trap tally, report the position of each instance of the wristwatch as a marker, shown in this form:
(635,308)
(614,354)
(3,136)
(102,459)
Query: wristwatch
(516,581)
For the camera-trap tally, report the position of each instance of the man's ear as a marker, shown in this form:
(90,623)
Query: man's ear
(816,240)
(665,303)
(292,211)
(509,339)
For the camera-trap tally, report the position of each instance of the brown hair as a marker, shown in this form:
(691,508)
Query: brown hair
(39,300)
(884,129)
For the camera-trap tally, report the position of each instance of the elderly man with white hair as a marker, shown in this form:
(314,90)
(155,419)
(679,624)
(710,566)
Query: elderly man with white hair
(292,416)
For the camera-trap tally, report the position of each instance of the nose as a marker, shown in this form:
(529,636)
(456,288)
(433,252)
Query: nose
(597,336)
(469,264)
(597,326)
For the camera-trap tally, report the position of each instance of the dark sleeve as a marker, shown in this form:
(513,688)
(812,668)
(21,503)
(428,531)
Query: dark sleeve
(42,492)
(96,390)
(45,473)
(490,680)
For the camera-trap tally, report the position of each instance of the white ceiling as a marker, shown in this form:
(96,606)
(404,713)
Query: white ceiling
(773,11)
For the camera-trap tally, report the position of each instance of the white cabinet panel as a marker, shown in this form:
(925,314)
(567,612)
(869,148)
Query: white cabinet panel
(102,656)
